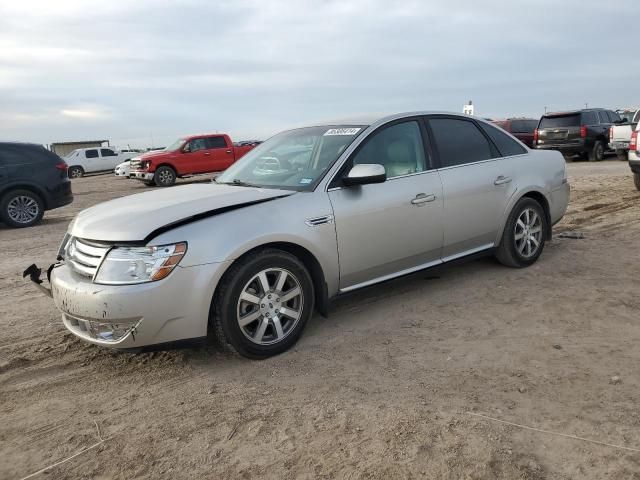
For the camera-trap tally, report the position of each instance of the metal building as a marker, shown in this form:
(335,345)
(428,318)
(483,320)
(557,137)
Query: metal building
(64,148)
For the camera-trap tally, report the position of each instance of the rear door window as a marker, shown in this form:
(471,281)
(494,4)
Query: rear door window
(603,117)
(91,153)
(560,121)
(216,142)
(589,118)
(107,152)
(459,141)
(507,145)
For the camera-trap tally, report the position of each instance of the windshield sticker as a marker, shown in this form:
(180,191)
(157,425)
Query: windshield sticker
(305,181)
(341,131)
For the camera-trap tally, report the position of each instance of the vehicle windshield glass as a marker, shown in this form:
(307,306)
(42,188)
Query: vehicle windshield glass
(556,121)
(175,145)
(293,160)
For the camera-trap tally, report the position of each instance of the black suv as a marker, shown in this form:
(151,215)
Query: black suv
(582,132)
(32,180)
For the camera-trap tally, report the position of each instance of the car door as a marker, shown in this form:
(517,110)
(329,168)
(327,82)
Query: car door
(390,228)
(108,159)
(220,154)
(476,184)
(92,160)
(195,156)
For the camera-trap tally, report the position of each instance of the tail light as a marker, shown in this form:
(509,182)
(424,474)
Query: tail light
(62,166)
(583,132)
(535,136)
(610,133)
(633,146)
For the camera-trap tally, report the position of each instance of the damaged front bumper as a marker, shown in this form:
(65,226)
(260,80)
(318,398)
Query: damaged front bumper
(140,175)
(130,316)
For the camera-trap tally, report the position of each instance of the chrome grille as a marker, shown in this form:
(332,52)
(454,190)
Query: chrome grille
(84,257)
(135,164)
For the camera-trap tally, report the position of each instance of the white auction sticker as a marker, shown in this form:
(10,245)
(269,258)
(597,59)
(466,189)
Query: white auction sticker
(341,131)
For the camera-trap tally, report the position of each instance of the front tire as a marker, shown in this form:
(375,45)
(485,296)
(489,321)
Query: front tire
(262,304)
(75,172)
(597,152)
(21,208)
(165,177)
(524,235)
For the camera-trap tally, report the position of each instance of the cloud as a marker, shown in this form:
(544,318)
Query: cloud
(133,70)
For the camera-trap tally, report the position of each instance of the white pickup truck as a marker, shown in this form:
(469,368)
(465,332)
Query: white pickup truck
(97,159)
(620,134)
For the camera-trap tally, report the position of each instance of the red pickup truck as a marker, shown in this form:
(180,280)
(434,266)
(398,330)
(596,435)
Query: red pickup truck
(187,156)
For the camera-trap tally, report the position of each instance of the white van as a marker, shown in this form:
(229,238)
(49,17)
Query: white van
(97,159)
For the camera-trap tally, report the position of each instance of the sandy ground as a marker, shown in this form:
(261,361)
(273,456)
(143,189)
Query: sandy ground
(383,388)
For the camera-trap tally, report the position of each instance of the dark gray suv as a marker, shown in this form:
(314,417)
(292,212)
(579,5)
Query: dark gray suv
(578,132)
(32,180)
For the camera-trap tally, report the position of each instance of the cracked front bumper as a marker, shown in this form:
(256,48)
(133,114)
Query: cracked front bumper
(129,316)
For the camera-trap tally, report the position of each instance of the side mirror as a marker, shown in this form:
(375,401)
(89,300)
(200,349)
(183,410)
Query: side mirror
(186,149)
(364,174)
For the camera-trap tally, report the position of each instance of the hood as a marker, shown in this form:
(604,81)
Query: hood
(155,153)
(140,217)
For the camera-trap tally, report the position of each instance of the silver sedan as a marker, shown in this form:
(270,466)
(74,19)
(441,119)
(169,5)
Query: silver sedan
(307,215)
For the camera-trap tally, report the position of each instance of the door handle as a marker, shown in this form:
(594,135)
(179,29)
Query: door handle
(423,198)
(228,151)
(501,180)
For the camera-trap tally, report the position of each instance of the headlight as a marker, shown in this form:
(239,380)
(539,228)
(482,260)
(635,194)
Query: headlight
(126,265)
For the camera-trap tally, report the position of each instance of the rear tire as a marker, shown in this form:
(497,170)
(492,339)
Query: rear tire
(21,208)
(75,171)
(257,312)
(524,234)
(636,180)
(165,177)
(597,152)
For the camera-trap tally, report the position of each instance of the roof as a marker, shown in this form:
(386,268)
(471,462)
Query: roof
(571,112)
(79,142)
(376,120)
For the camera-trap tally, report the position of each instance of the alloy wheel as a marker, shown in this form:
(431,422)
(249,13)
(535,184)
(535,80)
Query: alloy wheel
(270,306)
(165,177)
(23,209)
(528,233)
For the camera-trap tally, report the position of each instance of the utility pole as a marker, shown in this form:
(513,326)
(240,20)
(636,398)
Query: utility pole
(545,109)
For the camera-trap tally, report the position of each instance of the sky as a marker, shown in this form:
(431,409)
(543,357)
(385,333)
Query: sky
(141,73)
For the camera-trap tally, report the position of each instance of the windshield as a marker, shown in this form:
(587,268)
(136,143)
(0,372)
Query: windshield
(175,145)
(571,120)
(293,160)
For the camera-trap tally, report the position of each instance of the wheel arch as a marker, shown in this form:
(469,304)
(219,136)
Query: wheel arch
(536,195)
(30,187)
(166,164)
(306,257)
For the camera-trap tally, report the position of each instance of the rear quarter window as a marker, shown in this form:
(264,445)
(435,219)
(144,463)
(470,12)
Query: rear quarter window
(559,121)
(506,145)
